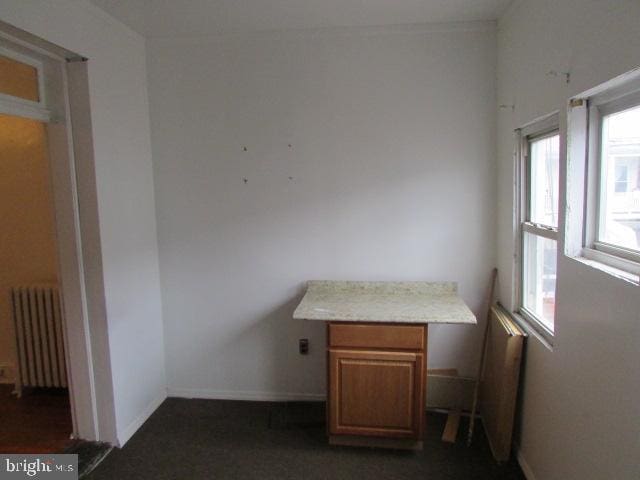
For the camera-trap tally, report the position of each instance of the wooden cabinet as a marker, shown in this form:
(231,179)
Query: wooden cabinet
(377,380)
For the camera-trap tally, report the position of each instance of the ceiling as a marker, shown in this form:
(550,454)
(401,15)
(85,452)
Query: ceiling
(166,18)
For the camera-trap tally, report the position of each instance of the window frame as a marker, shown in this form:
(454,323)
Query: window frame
(544,127)
(599,106)
(12,105)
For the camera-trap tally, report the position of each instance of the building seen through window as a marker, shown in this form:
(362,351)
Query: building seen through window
(620,179)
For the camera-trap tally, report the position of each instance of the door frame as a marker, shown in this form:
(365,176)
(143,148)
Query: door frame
(77,232)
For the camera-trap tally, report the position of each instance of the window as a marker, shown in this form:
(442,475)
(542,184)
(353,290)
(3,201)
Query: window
(23,91)
(618,215)
(603,177)
(19,79)
(539,165)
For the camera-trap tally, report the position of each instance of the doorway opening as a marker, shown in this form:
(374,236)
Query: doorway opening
(46,315)
(34,399)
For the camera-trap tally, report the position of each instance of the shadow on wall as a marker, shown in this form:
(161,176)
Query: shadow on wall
(268,341)
(274,338)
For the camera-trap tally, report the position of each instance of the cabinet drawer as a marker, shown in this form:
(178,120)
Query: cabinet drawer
(367,335)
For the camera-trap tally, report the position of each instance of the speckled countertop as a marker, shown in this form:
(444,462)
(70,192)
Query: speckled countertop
(396,302)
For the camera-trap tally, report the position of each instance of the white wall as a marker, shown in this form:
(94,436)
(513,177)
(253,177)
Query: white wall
(131,343)
(392,165)
(580,413)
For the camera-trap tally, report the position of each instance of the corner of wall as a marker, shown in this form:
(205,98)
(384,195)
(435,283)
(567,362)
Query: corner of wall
(524,466)
(125,435)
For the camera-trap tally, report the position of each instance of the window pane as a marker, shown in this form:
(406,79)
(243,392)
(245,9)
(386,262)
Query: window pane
(544,183)
(540,277)
(18,79)
(619,216)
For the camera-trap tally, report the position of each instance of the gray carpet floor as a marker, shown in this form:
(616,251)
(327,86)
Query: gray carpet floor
(210,439)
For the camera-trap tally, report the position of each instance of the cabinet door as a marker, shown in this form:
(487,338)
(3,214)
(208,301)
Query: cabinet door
(376,393)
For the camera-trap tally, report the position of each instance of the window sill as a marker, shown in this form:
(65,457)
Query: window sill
(546,339)
(616,267)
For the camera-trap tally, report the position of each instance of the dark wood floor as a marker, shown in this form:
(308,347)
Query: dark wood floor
(39,422)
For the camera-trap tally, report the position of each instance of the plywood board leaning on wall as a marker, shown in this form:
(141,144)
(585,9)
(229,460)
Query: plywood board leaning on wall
(499,385)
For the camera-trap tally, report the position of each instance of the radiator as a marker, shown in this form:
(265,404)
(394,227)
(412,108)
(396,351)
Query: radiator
(37,318)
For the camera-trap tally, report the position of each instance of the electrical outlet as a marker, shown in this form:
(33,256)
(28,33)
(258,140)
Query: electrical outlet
(303,346)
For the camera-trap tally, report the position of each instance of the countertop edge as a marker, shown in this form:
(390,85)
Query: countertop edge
(473,321)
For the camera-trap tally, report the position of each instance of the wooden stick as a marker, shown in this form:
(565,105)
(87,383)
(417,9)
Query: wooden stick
(453,418)
(476,389)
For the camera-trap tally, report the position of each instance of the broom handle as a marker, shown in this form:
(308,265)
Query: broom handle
(476,389)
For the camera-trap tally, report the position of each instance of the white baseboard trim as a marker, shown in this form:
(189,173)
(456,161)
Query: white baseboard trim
(123,437)
(213,394)
(526,469)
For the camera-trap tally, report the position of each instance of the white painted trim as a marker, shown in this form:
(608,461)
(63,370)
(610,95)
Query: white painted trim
(12,106)
(577,205)
(76,333)
(616,257)
(524,466)
(612,89)
(36,44)
(540,230)
(93,301)
(541,126)
(212,394)
(79,355)
(133,427)
(534,329)
(594,259)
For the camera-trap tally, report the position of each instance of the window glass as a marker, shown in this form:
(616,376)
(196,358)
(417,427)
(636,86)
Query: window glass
(539,297)
(18,79)
(544,182)
(619,216)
